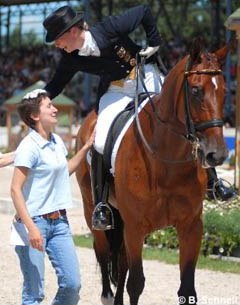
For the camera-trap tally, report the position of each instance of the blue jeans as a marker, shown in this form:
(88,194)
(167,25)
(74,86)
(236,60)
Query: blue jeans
(58,244)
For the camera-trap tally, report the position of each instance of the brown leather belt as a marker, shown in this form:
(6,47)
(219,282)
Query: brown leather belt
(55,214)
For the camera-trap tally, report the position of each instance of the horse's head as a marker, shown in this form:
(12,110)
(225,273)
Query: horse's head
(199,88)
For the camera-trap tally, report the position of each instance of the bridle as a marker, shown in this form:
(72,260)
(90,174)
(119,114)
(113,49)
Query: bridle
(193,128)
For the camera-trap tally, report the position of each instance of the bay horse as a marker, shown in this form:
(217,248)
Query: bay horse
(164,186)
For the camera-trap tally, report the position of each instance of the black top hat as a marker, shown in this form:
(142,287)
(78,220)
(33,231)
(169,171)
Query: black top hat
(61,21)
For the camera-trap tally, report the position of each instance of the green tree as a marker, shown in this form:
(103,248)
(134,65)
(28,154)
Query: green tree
(177,19)
(29,38)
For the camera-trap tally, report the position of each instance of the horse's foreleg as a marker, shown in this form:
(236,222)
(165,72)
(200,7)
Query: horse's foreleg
(136,279)
(122,272)
(189,243)
(102,254)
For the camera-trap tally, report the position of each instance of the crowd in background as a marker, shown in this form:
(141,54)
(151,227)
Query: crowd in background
(27,65)
(24,67)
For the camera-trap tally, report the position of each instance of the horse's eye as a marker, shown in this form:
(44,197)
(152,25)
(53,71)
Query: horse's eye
(197,93)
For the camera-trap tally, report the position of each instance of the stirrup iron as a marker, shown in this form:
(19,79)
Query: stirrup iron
(98,208)
(214,189)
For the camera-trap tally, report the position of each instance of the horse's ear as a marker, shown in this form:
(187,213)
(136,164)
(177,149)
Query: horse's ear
(229,47)
(222,53)
(195,50)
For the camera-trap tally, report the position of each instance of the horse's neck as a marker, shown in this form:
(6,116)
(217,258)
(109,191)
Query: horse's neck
(172,96)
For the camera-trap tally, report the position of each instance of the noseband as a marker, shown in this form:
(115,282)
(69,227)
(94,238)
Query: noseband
(192,127)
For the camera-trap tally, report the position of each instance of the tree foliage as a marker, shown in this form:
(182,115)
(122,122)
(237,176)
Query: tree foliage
(29,39)
(179,20)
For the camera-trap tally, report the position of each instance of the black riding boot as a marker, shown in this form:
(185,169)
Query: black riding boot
(102,218)
(216,188)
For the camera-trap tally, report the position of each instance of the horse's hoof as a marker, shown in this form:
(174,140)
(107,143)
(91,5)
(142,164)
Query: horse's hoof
(109,300)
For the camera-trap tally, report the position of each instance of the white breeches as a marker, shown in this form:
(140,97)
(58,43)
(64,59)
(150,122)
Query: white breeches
(118,97)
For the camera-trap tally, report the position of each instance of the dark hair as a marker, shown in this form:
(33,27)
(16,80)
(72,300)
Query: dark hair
(81,25)
(29,106)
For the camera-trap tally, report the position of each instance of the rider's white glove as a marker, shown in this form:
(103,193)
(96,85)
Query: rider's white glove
(149,51)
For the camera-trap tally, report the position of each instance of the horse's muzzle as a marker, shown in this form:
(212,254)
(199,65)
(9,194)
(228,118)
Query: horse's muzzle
(216,158)
(212,157)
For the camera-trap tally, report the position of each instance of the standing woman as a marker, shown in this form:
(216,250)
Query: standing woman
(41,194)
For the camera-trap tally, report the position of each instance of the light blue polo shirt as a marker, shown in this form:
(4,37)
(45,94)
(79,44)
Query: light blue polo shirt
(47,187)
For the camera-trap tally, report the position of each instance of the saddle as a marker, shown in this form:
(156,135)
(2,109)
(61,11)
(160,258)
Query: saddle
(116,128)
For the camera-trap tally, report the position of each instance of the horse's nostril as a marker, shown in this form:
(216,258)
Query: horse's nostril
(215,159)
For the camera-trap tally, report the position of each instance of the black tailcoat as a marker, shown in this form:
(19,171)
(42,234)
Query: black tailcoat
(110,35)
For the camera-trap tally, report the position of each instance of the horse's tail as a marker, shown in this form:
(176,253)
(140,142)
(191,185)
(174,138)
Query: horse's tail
(115,239)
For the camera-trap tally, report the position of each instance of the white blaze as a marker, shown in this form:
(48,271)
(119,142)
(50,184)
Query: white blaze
(214,81)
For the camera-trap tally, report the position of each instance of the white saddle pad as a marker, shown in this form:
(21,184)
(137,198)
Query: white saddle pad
(121,135)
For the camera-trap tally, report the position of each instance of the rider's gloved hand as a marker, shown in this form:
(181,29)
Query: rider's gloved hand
(148,52)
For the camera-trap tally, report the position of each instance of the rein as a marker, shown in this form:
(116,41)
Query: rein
(191,127)
(140,73)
